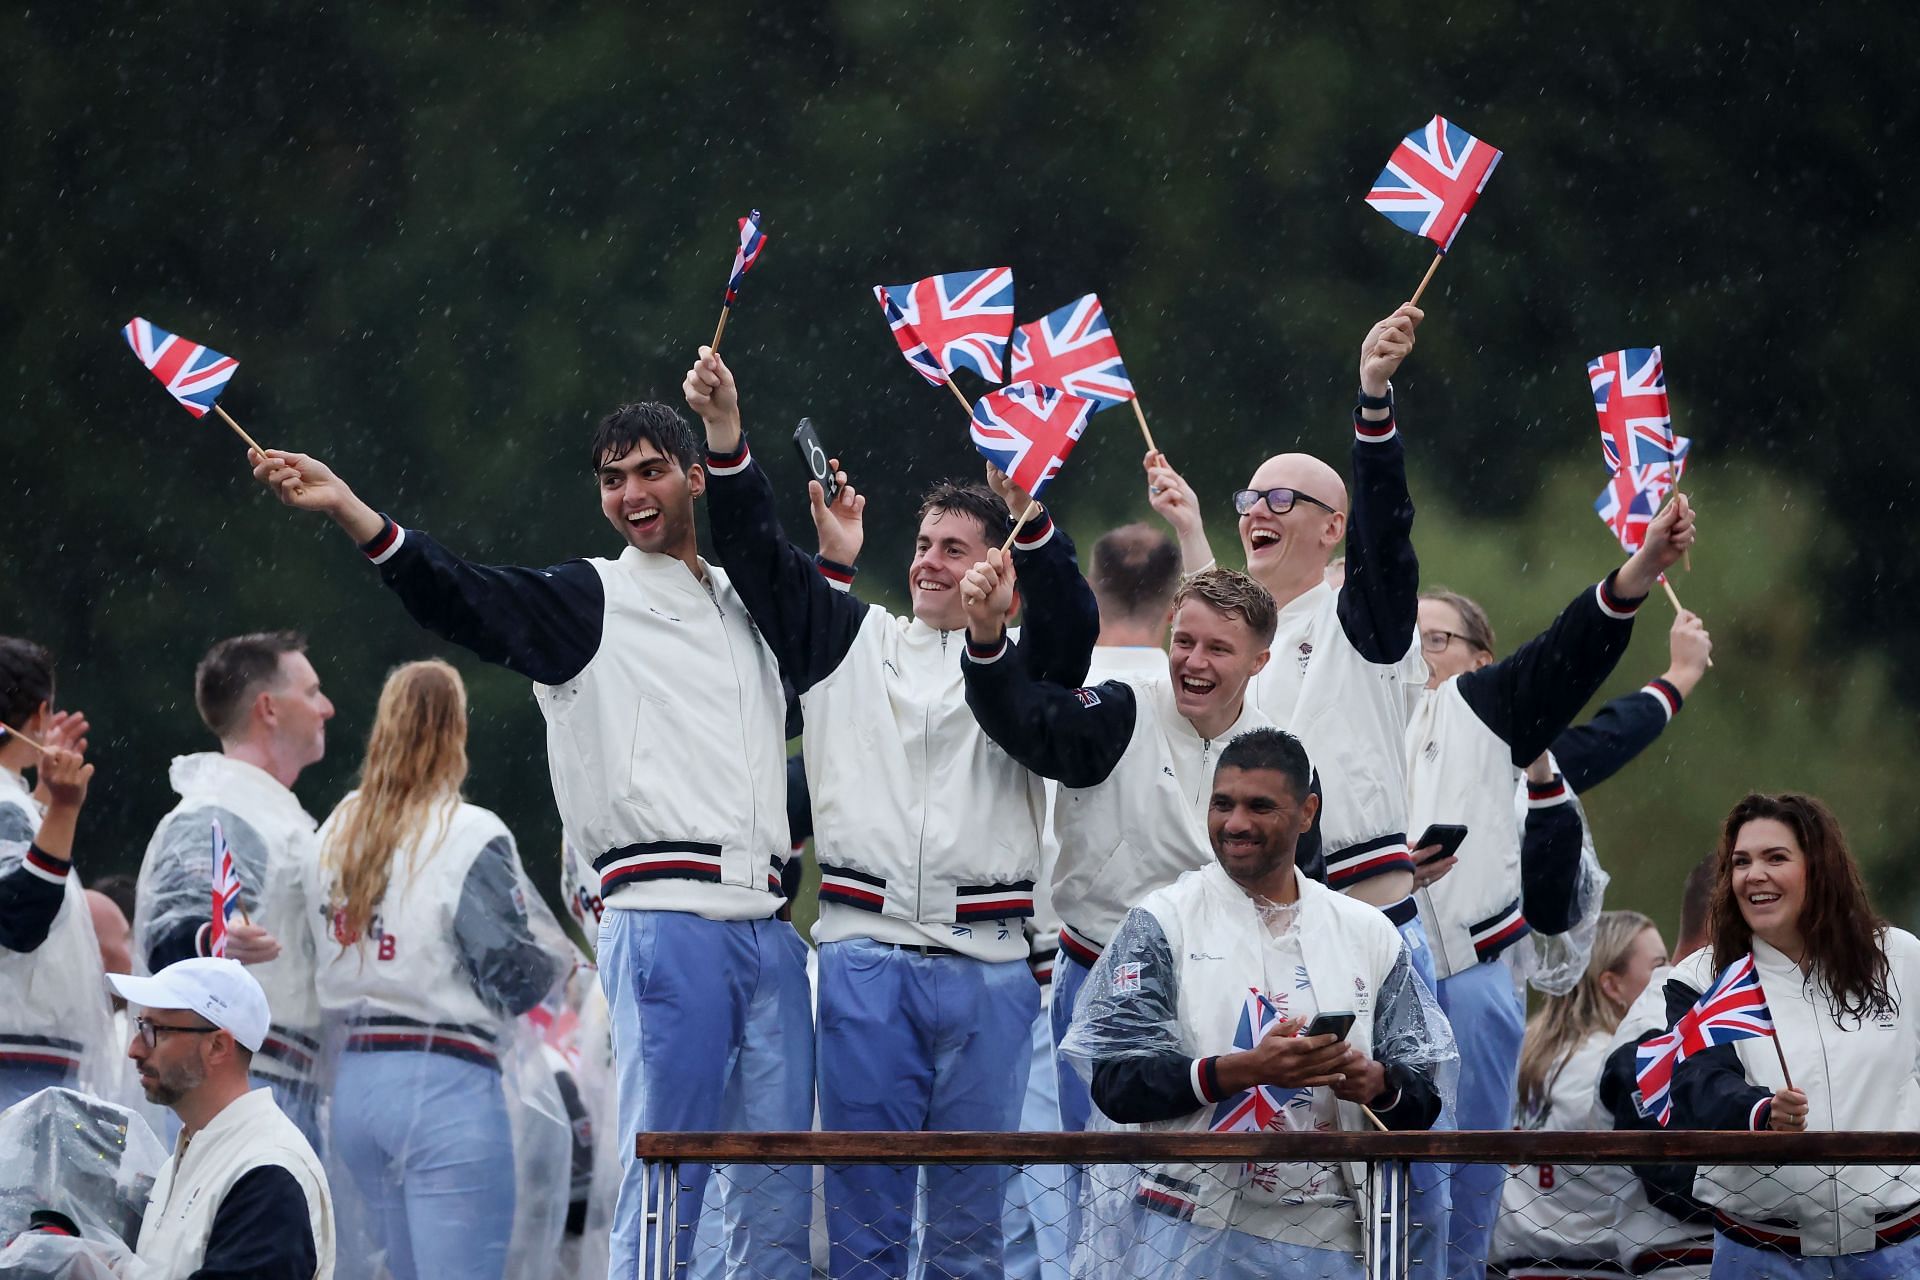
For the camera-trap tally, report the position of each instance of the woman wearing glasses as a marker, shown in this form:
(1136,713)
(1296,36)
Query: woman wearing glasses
(1840,985)
(430,945)
(1479,726)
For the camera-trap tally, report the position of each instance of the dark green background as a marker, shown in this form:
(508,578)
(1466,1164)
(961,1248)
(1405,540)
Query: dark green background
(443,239)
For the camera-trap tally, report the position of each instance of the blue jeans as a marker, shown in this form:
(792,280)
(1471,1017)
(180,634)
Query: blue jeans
(1488,1019)
(1734,1261)
(911,1043)
(712,1030)
(1037,1203)
(1076,1105)
(427,1141)
(1431,1200)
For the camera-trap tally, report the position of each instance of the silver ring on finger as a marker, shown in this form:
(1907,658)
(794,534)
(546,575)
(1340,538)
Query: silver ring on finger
(1153,489)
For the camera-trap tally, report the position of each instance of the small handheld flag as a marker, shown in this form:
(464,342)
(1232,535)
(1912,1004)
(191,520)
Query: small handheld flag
(1074,349)
(226,892)
(1028,430)
(1252,1110)
(752,241)
(194,375)
(1636,423)
(960,320)
(1431,182)
(1733,1008)
(1631,500)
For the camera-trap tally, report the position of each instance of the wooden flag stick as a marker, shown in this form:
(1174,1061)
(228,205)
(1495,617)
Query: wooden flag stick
(1140,417)
(1677,607)
(13,732)
(1378,1123)
(1782,1055)
(725,311)
(1432,267)
(1025,516)
(240,431)
(961,397)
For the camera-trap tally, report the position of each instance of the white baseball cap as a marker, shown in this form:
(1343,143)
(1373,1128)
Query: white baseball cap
(219,990)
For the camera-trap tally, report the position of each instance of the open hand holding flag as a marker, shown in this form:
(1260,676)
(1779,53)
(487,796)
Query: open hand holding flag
(1431,182)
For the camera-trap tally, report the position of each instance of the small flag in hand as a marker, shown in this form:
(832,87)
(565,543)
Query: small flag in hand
(1636,424)
(752,241)
(194,374)
(1631,500)
(1073,349)
(226,892)
(1733,1008)
(961,320)
(1252,1110)
(1028,430)
(1432,180)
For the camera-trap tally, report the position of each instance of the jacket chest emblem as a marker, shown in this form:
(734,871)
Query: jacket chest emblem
(1305,655)
(1431,751)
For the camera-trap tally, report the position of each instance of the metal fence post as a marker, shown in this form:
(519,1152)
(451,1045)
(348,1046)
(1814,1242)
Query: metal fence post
(1388,1231)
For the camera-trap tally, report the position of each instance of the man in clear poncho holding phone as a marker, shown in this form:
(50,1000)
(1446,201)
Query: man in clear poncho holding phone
(1192,1021)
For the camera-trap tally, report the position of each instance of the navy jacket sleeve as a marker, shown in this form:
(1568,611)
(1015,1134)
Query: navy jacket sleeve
(1591,753)
(509,969)
(261,1231)
(1710,1089)
(31,892)
(808,621)
(1550,848)
(543,624)
(1668,1186)
(1075,736)
(1143,1087)
(1530,696)
(1379,603)
(1059,618)
(799,800)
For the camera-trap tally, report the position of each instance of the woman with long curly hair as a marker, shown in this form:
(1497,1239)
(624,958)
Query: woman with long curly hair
(426,953)
(1839,983)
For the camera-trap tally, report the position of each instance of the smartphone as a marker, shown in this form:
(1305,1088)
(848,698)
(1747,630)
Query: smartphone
(1447,835)
(1330,1024)
(813,456)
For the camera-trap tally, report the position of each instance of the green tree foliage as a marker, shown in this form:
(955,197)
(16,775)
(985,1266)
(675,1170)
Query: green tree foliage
(442,240)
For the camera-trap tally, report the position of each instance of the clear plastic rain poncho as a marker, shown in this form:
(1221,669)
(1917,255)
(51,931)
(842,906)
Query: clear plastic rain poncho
(53,999)
(424,1019)
(588,1053)
(1554,963)
(90,1160)
(1186,1219)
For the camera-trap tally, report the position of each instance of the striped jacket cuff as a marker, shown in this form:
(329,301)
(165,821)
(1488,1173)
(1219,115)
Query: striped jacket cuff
(729,464)
(1370,431)
(1761,1115)
(1544,795)
(39,862)
(383,545)
(1613,604)
(983,654)
(1204,1074)
(1035,533)
(840,575)
(1662,691)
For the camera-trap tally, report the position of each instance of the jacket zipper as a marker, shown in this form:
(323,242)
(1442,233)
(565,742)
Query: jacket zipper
(740,704)
(926,794)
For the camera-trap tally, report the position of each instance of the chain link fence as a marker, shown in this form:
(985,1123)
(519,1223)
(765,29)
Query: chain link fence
(1319,1206)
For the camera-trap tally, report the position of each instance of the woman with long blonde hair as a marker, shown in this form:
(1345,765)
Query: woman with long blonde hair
(426,954)
(1561,1219)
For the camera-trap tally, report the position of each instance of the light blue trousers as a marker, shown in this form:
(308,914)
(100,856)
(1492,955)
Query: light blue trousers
(430,1150)
(1038,1207)
(1431,1198)
(1488,1019)
(1734,1261)
(912,1043)
(712,1030)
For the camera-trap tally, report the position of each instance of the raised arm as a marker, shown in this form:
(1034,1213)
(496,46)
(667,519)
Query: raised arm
(542,623)
(1060,620)
(808,618)
(1529,697)
(1379,602)
(1074,735)
(32,889)
(1550,847)
(1591,753)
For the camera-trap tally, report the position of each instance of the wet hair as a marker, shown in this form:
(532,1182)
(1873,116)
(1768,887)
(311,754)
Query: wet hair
(1479,631)
(1696,897)
(1845,937)
(225,682)
(1564,1021)
(1237,596)
(26,679)
(1273,749)
(951,497)
(648,422)
(1134,571)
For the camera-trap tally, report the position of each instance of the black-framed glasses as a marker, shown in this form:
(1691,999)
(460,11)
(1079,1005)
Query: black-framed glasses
(1437,641)
(151,1031)
(1279,501)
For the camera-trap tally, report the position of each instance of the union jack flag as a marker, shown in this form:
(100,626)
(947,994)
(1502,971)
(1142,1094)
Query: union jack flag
(1073,349)
(1733,1008)
(1432,180)
(960,320)
(1636,425)
(752,241)
(1252,1110)
(1631,500)
(194,374)
(1028,430)
(226,892)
